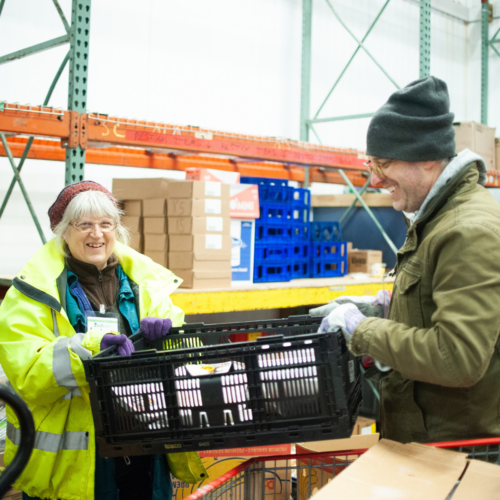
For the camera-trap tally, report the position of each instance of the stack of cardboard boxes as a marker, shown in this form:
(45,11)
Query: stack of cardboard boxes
(199,233)
(142,200)
(478,138)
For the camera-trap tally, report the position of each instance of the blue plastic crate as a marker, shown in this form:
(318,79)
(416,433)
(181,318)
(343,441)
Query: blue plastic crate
(301,232)
(264,272)
(301,214)
(270,252)
(326,231)
(271,190)
(301,269)
(301,250)
(329,250)
(301,197)
(275,213)
(321,268)
(265,232)
(262,181)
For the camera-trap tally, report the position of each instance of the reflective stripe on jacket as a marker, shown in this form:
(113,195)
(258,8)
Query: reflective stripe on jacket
(42,358)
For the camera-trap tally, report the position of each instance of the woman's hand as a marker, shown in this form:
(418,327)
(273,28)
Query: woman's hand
(125,345)
(155,328)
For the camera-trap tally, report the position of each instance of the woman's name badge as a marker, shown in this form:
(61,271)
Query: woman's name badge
(102,321)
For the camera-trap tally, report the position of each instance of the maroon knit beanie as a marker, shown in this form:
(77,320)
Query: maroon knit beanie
(56,211)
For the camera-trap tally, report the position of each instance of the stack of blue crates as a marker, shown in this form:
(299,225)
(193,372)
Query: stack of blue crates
(328,251)
(301,233)
(274,239)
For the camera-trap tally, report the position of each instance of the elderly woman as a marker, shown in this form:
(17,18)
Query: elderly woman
(44,337)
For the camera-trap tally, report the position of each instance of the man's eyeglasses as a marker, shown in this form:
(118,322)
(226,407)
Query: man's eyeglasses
(106,226)
(376,168)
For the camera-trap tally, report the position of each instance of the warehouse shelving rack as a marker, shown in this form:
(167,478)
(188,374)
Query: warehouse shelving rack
(78,137)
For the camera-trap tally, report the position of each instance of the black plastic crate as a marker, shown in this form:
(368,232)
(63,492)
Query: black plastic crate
(278,389)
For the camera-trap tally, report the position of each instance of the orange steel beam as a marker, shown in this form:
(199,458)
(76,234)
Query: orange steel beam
(40,121)
(43,149)
(102,129)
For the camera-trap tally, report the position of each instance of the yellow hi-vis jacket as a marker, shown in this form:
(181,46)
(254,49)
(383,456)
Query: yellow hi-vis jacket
(42,358)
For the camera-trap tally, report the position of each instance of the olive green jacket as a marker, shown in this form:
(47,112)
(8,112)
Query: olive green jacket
(441,336)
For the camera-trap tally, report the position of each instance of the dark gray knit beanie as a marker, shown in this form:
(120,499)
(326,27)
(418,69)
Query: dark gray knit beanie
(415,124)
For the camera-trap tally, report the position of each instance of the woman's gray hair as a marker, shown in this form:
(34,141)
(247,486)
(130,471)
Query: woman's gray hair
(89,204)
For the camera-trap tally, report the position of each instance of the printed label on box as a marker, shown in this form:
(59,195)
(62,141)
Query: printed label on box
(213,189)
(215,224)
(244,202)
(213,206)
(242,234)
(213,241)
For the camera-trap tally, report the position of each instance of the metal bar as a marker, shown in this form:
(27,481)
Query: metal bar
(361,44)
(316,134)
(2,3)
(425,38)
(305,80)
(494,39)
(62,16)
(485,13)
(77,87)
(370,213)
(23,189)
(350,60)
(34,49)
(495,49)
(340,118)
(361,192)
(30,140)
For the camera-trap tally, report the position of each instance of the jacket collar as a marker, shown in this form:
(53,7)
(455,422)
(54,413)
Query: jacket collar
(464,179)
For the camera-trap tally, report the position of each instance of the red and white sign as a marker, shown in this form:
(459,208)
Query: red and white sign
(211,175)
(244,201)
(253,451)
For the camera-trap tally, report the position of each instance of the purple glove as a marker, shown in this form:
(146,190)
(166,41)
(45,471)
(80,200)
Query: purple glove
(125,345)
(155,328)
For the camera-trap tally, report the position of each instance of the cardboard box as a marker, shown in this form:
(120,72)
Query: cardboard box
(137,242)
(413,471)
(160,257)
(216,245)
(242,251)
(204,279)
(198,190)
(278,483)
(132,223)
(155,225)
(199,225)
(497,153)
(316,478)
(141,189)
(211,175)
(197,262)
(132,208)
(244,202)
(478,138)
(156,242)
(197,208)
(360,261)
(155,208)
(364,426)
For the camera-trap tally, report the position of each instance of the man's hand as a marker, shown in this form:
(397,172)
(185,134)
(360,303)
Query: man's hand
(369,305)
(345,317)
(125,345)
(155,328)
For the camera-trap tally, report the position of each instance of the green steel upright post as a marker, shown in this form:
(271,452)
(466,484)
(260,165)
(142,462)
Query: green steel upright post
(485,43)
(425,38)
(77,91)
(305,89)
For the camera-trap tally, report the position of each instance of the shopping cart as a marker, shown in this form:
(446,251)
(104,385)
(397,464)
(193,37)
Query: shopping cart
(298,477)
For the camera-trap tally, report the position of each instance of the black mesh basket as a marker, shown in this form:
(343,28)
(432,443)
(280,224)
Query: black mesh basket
(298,386)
